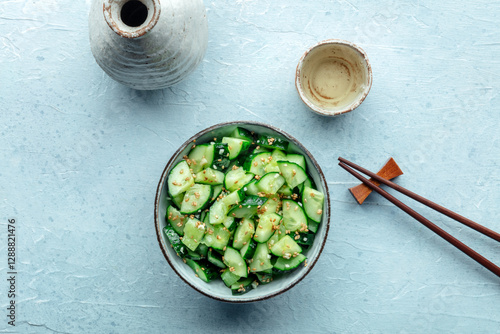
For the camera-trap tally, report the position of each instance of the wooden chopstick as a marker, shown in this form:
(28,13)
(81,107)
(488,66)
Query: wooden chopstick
(480,228)
(427,223)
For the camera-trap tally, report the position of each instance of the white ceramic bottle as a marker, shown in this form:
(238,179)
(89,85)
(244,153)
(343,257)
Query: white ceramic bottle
(148,44)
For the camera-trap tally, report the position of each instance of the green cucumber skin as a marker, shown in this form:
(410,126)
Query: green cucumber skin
(242,286)
(248,250)
(235,152)
(264,278)
(242,133)
(175,241)
(221,157)
(216,259)
(248,207)
(305,239)
(176,219)
(283,265)
(272,142)
(205,271)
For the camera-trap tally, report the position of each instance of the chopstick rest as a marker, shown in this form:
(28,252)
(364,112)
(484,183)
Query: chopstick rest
(388,172)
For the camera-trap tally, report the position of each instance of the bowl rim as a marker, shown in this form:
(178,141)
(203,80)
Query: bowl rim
(350,107)
(162,182)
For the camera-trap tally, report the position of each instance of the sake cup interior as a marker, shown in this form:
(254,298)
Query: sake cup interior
(333,77)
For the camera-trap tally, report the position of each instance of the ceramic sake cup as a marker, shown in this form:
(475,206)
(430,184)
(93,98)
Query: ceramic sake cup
(216,289)
(333,77)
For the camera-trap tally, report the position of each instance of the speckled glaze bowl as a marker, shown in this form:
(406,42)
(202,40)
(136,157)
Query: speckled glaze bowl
(333,77)
(216,289)
(148,44)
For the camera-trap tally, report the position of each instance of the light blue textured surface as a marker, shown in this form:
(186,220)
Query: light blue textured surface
(80,158)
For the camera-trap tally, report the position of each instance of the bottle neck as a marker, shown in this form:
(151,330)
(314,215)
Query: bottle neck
(131,18)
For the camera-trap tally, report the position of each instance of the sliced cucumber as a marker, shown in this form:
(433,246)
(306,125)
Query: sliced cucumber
(175,219)
(230,223)
(285,191)
(294,218)
(256,163)
(264,277)
(216,192)
(221,157)
(278,155)
(242,286)
(203,270)
(194,230)
(215,258)
(238,205)
(273,240)
(196,198)
(286,247)
(306,183)
(271,167)
(312,226)
(209,176)
(250,188)
(293,173)
(218,212)
(236,146)
(261,260)
(259,149)
(175,241)
(248,207)
(236,179)
(289,264)
(200,157)
(193,255)
(305,239)
(298,159)
(202,249)
(235,263)
(229,278)
(266,226)
(179,179)
(272,142)
(177,200)
(217,236)
(244,232)
(272,205)
(248,250)
(234,198)
(312,202)
(242,133)
(270,183)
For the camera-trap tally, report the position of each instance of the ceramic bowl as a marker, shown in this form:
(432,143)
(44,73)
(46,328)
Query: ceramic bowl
(216,289)
(333,77)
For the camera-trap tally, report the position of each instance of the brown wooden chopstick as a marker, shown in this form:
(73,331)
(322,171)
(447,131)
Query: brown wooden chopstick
(480,228)
(436,229)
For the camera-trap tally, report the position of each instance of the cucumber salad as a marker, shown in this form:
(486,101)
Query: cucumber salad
(242,209)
